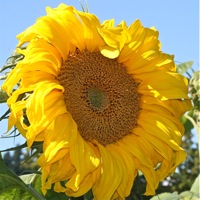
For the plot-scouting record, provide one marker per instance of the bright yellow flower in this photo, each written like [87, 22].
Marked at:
[104, 100]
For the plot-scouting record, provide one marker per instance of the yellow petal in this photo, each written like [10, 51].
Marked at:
[51, 31]
[40, 53]
[59, 137]
[74, 35]
[108, 182]
[177, 107]
[130, 170]
[80, 151]
[161, 127]
[108, 23]
[82, 188]
[92, 38]
[163, 90]
[109, 52]
[143, 41]
[115, 38]
[143, 155]
[40, 110]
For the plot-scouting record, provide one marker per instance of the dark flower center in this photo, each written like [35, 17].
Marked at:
[100, 95]
[97, 98]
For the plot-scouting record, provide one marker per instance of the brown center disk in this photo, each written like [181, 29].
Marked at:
[100, 95]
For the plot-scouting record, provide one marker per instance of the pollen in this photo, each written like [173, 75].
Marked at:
[100, 95]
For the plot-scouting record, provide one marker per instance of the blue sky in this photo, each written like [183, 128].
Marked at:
[176, 20]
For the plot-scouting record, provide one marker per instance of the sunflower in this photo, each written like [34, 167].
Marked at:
[105, 101]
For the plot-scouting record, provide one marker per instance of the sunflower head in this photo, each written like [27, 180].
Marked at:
[104, 100]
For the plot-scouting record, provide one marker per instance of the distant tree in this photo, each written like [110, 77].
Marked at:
[20, 161]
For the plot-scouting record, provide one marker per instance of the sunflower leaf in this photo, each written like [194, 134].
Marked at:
[15, 193]
[192, 194]
[195, 89]
[3, 96]
[187, 123]
[4, 76]
[183, 67]
[51, 194]
[35, 181]
[88, 195]
[5, 115]
[167, 196]
[187, 195]
[195, 186]
[12, 187]
[195, 80]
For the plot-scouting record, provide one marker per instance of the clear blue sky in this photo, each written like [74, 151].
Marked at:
[176, 20]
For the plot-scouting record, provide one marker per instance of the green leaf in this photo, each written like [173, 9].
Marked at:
[186, 122]
[28, 178]
[4, 76]
[12, 61]
[195, 186]
[26, 187]
[195, 80]
[12, 187]
[167, 196]
[194, 86]
[35, 181]
[3, 96]
[56, 196]
[183, 67]
[16, 193]
[186, 195]
[193, 194]
[88, 195]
